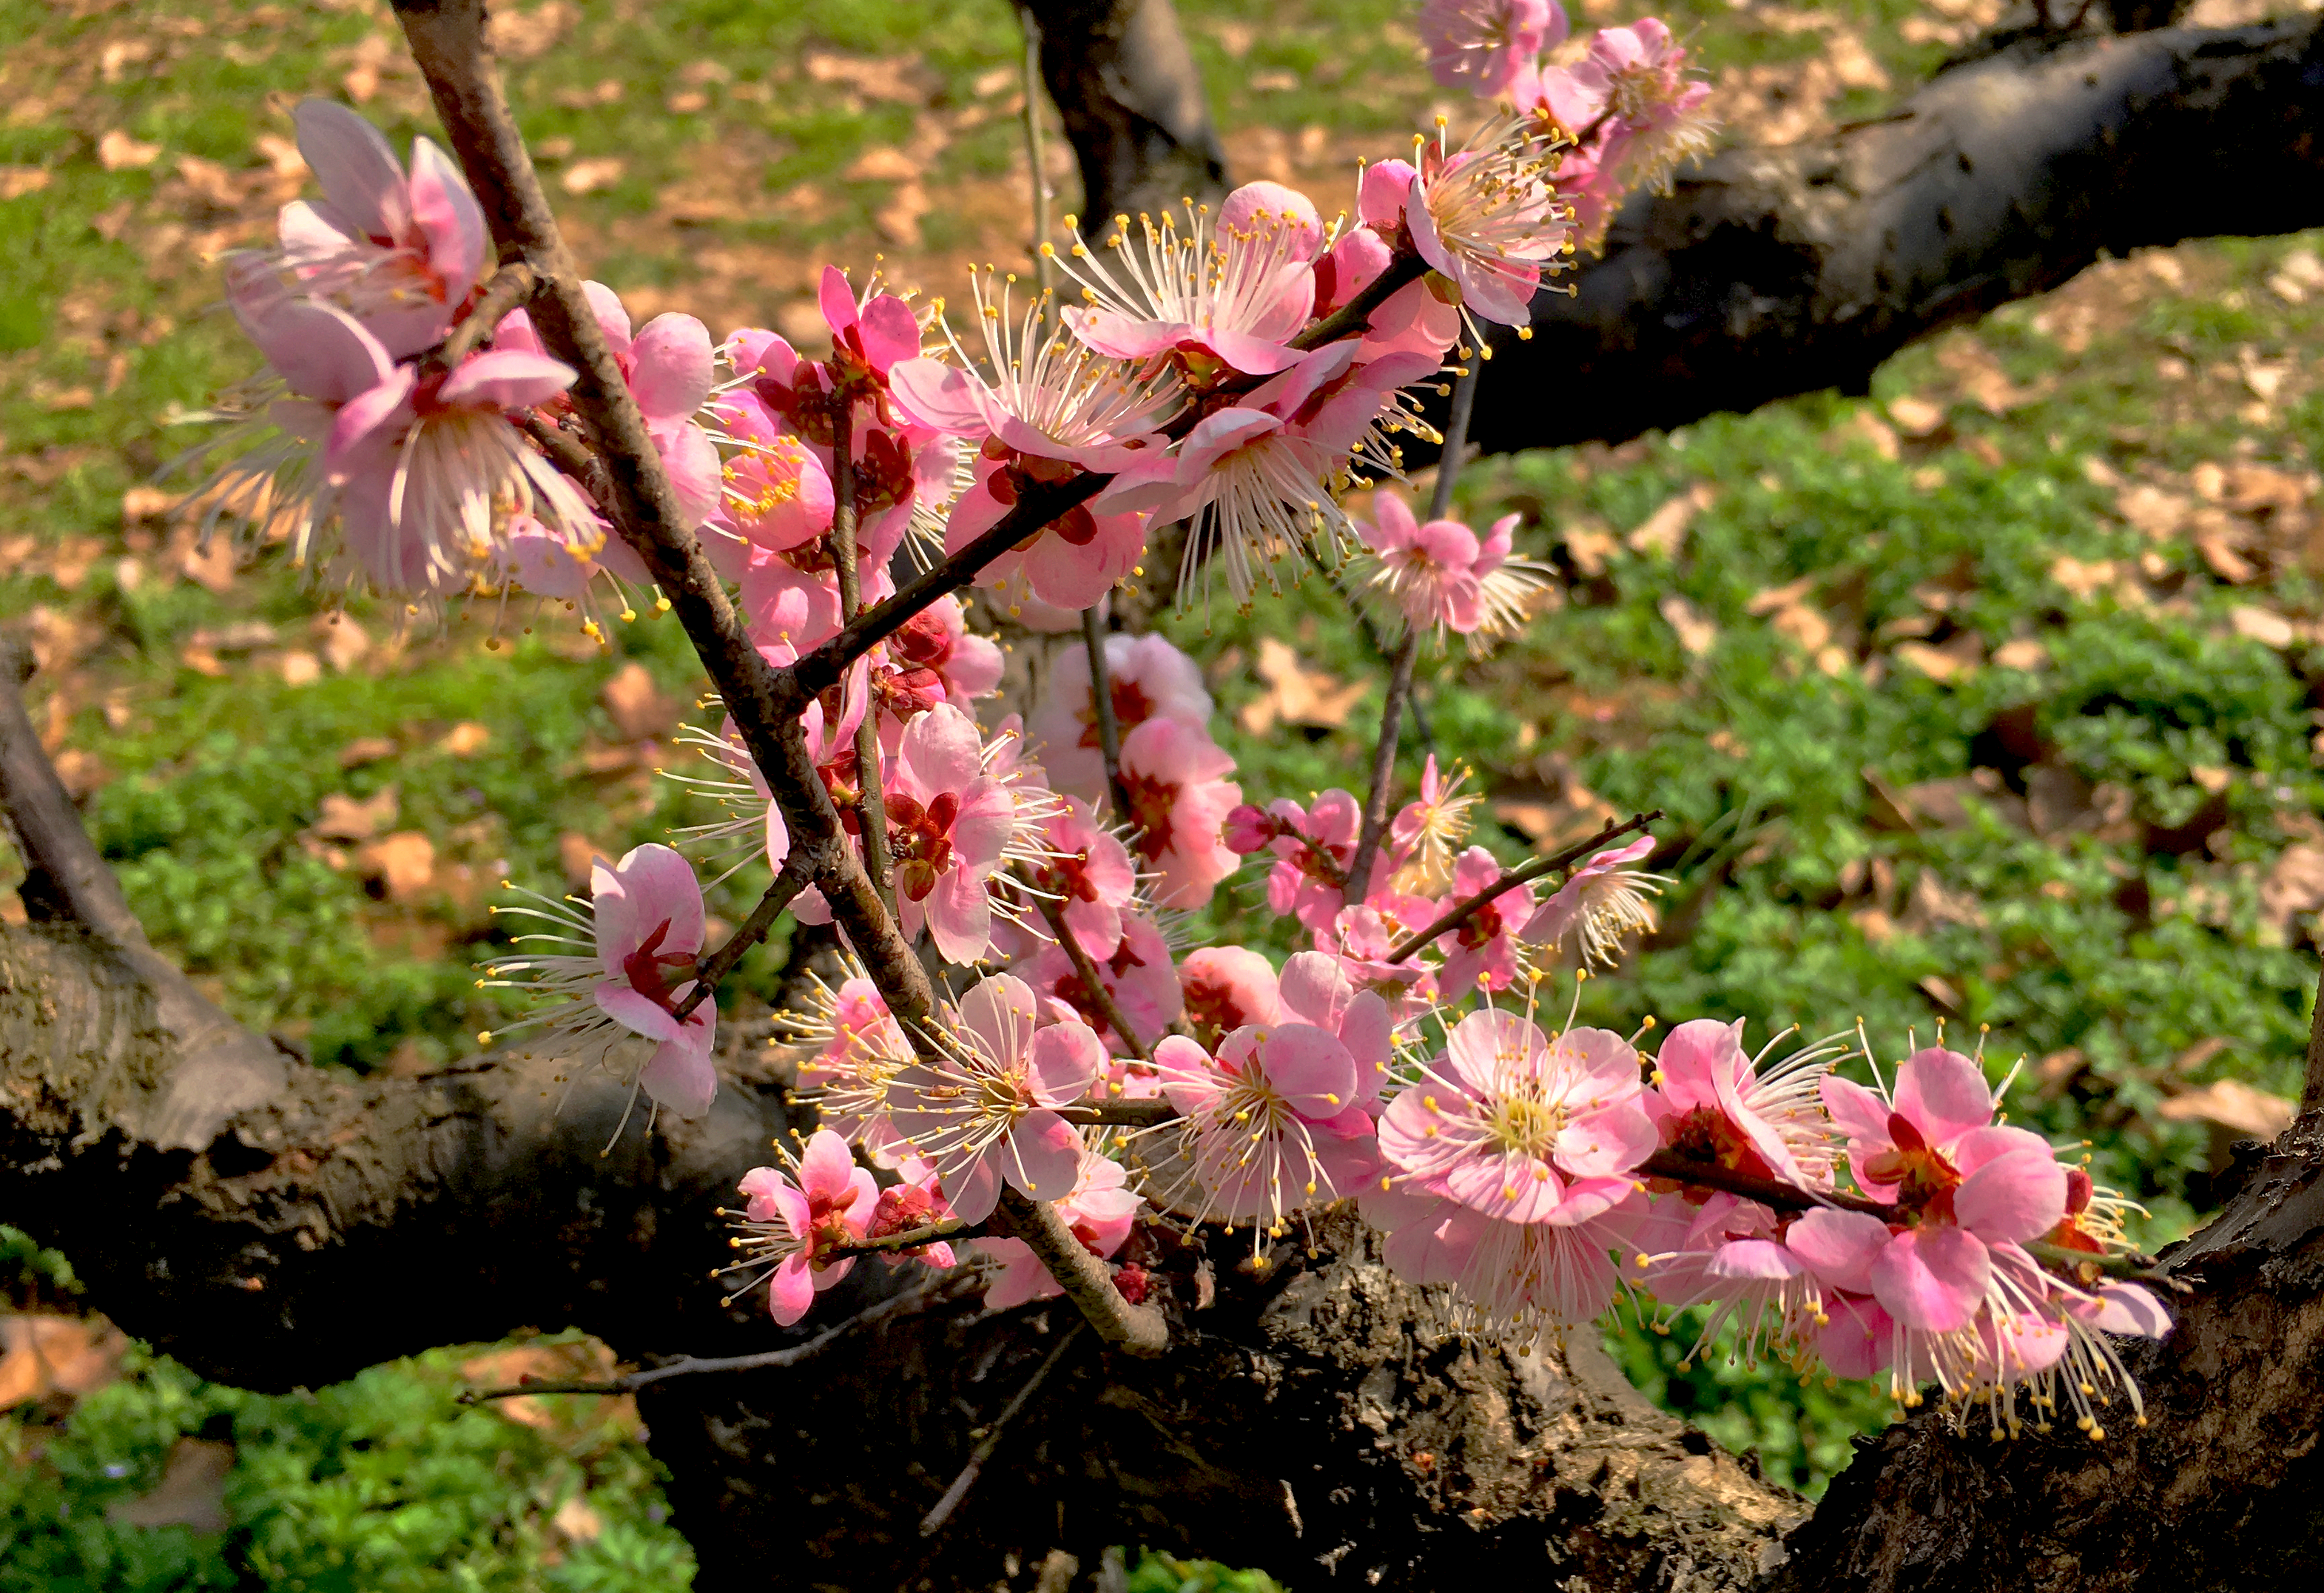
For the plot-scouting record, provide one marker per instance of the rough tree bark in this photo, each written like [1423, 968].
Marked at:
[274, 1224]
[1316, 1418]
[1131, 102]
[1769, 272]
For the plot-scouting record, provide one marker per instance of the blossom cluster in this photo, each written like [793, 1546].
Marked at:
[1243, 369]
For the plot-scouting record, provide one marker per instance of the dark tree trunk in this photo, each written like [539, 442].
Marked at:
[1132, 103]
[1770, 273]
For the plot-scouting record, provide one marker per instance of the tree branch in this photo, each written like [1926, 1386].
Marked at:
[1767, 272]
[1131, 102]
[1460, 912]
[789, 882]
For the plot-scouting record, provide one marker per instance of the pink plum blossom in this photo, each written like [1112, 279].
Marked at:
[1600, 902]
[949, 822]
[642, 936]
[1273, 1122]
[399, 253]
[985, 1110]
[1428, 571]
[1312, 848]
[1482, 953]
[1137, 974]
[934, 657]
[1088, 871]
[1147, 679]
[789, 1226]
[1710, 1103]
[1521, 1127]
[1483, 45]
[1227, 988]
[1425, 831]
[1172, 774]
[1487, 215]
[1211, 299]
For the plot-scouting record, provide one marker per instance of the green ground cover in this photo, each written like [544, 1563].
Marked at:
[1988, 699]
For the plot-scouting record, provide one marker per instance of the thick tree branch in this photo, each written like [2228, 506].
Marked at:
[1131, 102]
[1773, 271]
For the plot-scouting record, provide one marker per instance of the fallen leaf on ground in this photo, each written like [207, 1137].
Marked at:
[42, 1354]
[466, 739]
[191, 1492]
[883, 165]
[525, 35]
[1696, 633]
[1915, 417]
[899, 78]
[1956, 659]
[344, 641]
[82, 773]
[577, 1521]
[300, 667]
[587, 177]
[2294, 886]
[1295, 693]
[17, 181]
[2264, 626]
[404, 863]
[1664, 531]
[2024, 653]
[364, 749]
[345, 819]
[637, 705]
[2233, 1105]
[117, 152]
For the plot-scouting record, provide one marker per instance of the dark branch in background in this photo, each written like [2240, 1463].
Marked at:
[1053, 913]
[64, 879]
[1131, 102]
[2311, 1088]
[1109, 733]
[1460, 912]
[1773, 272]
[688, 1366]
[989, 1437]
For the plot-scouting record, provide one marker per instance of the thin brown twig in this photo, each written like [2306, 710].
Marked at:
[1109, 729]
[789, 883]
[933, 1522]
[1086, 967]
[1459, 913]
[65, 879]
[870, 807]
[1406, 656]
[1768, 1192]
[568, 452]
[511, 288]
[911, 1238]
[688, 1366]
[2311, 1088]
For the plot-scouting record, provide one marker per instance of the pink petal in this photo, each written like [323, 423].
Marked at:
[1944, 1094]
[940, 396]
[1043, 1157]
[612, 318]
[680, 1078]
[1933, 1279]
[352, 160]
[889, 332]
[1753, 1259]
[366, 419]
[671, 372]
[2013, 1198]
[1064, 1062]
[639, 1014]
[506, 379]
[1695, 1057]
[1840, 1246]
[791, 1291]
[942, 751]
[1310, 1069]
[826, 1169]
[1315, 989]
[1189, 1080]
[447, 213]
[1000, 1011]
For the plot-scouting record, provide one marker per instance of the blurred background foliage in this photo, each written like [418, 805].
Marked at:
[1989, 699]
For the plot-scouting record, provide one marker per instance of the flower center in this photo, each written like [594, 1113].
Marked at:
[1520, 1127]
[920, 838]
